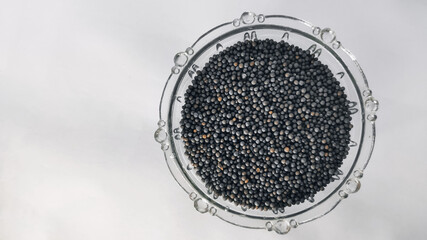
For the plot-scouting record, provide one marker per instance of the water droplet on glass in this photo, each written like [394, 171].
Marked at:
[367, 93]
[165, 147]
[219, 47]
[244, 208]
[180, 59]
[161, 123]
[358, 173]
[160, 135]
[281, 227]
[316, 30]
[193, 196]
[248, 17]
[201, 206]
[261, 18]
[227, 209]
[177, 136]
[189, 166]
[212, 211]
[371, 104]
[210, 191]
[189, 51]
[342, 194]
[269, 226]
[175, 70]
[281, 210]
[327, 35]
[352, 143]
[310, 199]
[352, 185]
[336, 44]
[293, 223]
[275, 211]
[236, 22]
[215, 196]
[372, 117]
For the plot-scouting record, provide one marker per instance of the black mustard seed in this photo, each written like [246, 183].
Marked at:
[265, 124]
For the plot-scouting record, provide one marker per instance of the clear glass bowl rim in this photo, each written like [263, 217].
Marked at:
[365, 94]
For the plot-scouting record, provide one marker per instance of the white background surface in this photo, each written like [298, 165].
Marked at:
[80, 83]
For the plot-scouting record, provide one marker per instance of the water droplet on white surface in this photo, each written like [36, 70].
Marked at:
[180, 59]
[160, 135]
[371, 104]
[189, 51]
[327, 35]
[352, 185]
[269, 226]
[336, 44]
[175, 70]
[212, 211]
[236, 22]
[372, 117]
[358, 173]
[342, 194]
[281, 227]
[293, 223]
[193, 196]
[165, 147]
[161, 123]
[248, 17]
[316, 30]
[201, 206]
[367, 93]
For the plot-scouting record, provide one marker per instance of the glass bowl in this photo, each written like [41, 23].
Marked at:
[324, 44]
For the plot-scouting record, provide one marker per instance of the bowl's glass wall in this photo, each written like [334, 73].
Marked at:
[278, 33]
